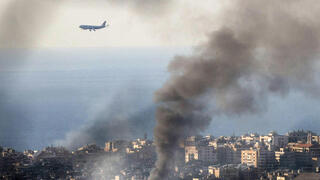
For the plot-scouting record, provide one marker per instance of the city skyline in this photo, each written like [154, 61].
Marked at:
[249, 156]
[172, 69]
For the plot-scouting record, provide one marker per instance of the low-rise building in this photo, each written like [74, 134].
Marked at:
[314, 149]
[115, 146]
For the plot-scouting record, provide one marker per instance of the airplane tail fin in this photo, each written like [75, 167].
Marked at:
[104, 23]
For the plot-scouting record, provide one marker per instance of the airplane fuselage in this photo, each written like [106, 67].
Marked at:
[91, 27]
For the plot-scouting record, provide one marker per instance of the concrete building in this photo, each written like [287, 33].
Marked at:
[298, 136]
[119, 177]
[258, 158]
[250, 139]
[314, 149]
[115, 146]
[316, 139]
[203, 153]
[274, 140]
[249, 157]
[266, 159]
[285, 158]
[193, 140]
[303, 160]
[279, 141]
[228, 154]
[228, 171]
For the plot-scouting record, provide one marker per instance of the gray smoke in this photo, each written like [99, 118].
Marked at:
[146, 7]
[264, 48]
[121, 118]
[110, 126]
[23, 22]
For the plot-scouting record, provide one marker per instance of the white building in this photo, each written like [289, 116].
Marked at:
[200, 152]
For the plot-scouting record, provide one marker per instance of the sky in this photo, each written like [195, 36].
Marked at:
[57, 79]
[55, 23]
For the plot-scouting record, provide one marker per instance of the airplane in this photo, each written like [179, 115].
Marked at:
[93, 28]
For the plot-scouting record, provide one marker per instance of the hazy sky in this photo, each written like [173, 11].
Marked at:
[55, 23]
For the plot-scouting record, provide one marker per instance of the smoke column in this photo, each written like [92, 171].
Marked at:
[264, 48]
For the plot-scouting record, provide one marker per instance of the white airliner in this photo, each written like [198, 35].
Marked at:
[93, 28]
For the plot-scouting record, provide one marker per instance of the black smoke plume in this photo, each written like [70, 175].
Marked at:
[263, 48]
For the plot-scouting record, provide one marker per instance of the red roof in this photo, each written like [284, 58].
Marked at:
[306, 145]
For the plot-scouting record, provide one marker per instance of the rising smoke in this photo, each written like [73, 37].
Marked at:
[109, 126]
[263, 48]
[121, 117]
